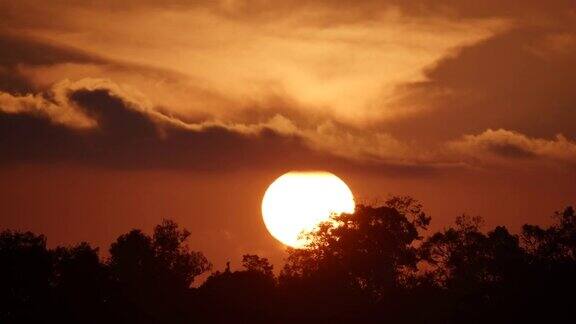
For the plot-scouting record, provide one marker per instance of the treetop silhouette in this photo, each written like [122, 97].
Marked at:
[378, 264]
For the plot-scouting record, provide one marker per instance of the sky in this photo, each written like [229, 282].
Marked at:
[117, 114]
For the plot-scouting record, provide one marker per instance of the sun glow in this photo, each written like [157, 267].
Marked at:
[299, 201]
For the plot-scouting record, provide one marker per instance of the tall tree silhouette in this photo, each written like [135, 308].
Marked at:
[82, 285]
[557, 242]
[357, 260]
[25, 277]
[475, 269]
[552, 267]
[154, 273]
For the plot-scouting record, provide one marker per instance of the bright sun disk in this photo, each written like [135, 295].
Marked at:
[297, 202]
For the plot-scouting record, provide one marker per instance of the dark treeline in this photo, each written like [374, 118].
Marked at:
[378, 265]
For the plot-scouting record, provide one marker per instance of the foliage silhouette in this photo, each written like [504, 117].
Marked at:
[153, 274]
[245, 296]
[376, 265]
[82, 285]
[25, 277]
[358, 263]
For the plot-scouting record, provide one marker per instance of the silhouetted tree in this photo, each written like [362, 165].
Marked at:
[241, 296]
[180, 264]
[551, 278]
[82, 285]
[357, 259]
[557, 242]
[154, 273]
[254, 263]
[25, 277]
[475, 268]
[371, 266]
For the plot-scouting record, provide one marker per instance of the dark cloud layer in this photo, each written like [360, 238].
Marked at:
[510, 146]
[522, 79]
[129, 138]
[17, 51]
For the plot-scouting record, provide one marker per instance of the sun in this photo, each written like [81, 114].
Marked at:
[299, 201]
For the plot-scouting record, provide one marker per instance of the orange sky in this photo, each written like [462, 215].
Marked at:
[115, 115]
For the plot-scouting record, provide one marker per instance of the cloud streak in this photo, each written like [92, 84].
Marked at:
[99, 121]
[504, 145]
[99, 108]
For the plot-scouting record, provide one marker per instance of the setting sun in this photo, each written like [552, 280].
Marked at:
[297, 202]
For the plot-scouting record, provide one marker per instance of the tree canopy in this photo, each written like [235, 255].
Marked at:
[378, 264]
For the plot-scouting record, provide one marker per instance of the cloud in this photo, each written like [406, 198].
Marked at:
[59, 104]
[99, 121]
[375, 83]
[347, 10]
[509, 146]
[58, 112]
[520, 79]
[18, 51]
[319, 55]
[119, 119]
[124, 132]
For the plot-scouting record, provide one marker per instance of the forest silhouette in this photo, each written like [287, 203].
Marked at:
[379, 264]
